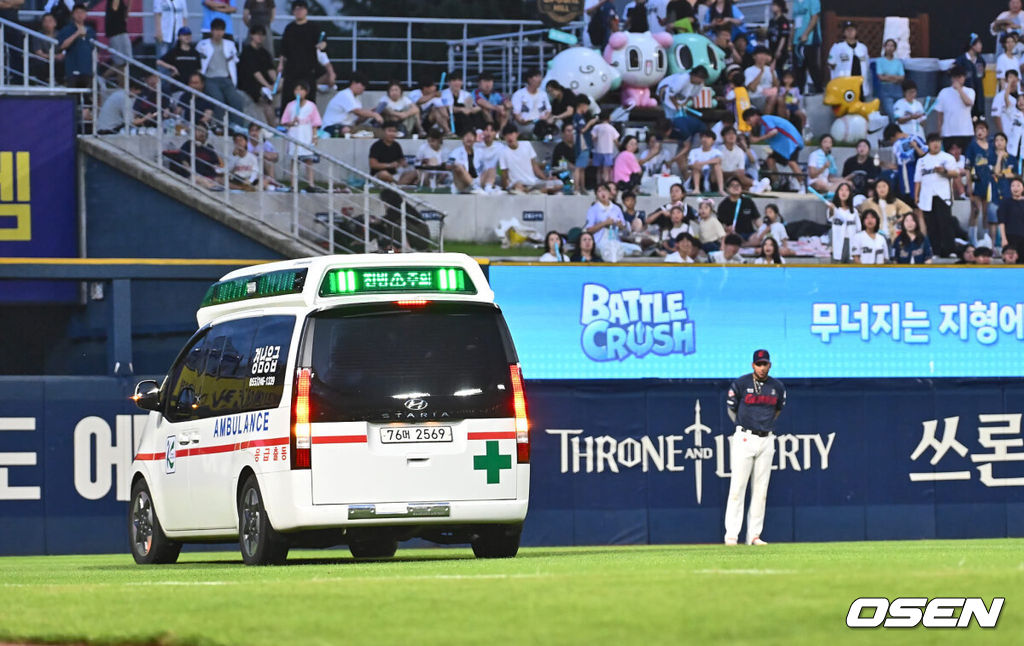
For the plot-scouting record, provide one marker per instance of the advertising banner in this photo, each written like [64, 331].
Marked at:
[703, 322]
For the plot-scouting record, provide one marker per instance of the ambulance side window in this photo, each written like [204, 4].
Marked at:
[224, 385]
[268, 367]
[185, 379]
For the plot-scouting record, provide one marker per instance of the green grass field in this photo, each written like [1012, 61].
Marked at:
[694, 594]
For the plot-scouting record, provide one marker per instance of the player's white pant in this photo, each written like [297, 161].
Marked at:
[748, 454]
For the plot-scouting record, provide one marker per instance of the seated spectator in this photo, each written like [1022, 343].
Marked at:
[711, 233]
[790, 105]
[586, 249]
[634, 218]
[387, 161]
[739, 52]
[429, 160]
[531, 111]
[495, 107]
[845, 223]
[208, 164]
[773, 227]
[660, 217]
[219, 65]
[488, 154]
[116, 111]
[397, 107]
[706, 164]
[458, 108]
[626, 172]
[860, 170]
[243, 166]
[683, 249]
[563, 101]
[303, 120]
[868, 246]
[464, 164]
[1010, 20]
[564, 154]
[203, 108]
[762, 82]
[522, 172]
[769, 254]
[678, 224]
[259, 140]
[911, 246]
[655, 157]
[428, 99]
[738, 214]
[182, 60]
[891, 75]
[908, 113]
[345, 112]
[734, 158]
[604, 216]
[40, 65]
[966, 255]
[983, 256]
[145, 109]
[257, 72]
[962, 176]
[1010, 255]
[554, 248]
[730, 253]
[605, 137]
[821, 167]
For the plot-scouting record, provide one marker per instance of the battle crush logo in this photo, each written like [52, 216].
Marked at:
[631, 322]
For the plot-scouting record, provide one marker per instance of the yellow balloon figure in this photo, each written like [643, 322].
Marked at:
[843, 94]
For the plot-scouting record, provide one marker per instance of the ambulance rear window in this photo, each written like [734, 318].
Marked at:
[390, 362]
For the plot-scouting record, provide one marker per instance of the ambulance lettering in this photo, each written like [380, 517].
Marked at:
[241, 424]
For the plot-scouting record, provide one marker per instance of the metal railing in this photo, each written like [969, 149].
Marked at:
[303, 192]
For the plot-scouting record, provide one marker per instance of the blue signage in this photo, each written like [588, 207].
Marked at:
[631, 322]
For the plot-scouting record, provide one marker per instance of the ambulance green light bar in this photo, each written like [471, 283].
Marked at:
[440, 280]
[274, 283]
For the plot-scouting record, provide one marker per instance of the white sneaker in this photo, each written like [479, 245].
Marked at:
[756, 541]
[761, 186]
[476, 190]
[730, 541]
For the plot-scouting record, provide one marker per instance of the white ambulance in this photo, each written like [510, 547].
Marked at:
[360, 400]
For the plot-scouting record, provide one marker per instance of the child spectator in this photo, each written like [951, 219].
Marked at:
[845, 222]
[627, 172]
[387, 161]
[762, 82]
[706, 164]
[772, 227]
[605, 136]
[908, 112]
[660, 217]
[683, 249]
[303, 119]
[791, 101]
[769, 253]
[868, 246]
[243, 167]
[494, 106]
[911, 246]
[586, 249]
[554, 248]
[678, 224]
[983, 256]
[821, 167]
[710, 232]
[583, 124]
[1010, 255]
[397, 107]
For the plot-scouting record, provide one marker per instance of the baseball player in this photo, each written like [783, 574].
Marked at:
[755, 401]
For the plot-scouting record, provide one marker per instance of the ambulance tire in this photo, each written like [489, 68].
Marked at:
[148, 542]
[497, 542]
[260, 543]
[375, 549]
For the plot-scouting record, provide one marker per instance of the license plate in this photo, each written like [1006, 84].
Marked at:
[415, 434]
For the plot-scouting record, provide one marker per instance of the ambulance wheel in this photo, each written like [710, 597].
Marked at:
[149, 543]
[374, 549]
[261, 544]
[497, 542]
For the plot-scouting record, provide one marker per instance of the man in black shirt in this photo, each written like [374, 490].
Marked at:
[753, 403]
[256, 72]
[565, 153]
[860, 170]
[738, 214]
[387, 158]
[1011, 215]
[299, 44]
[182, 60]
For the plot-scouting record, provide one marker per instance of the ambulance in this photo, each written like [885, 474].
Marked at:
[357, 400]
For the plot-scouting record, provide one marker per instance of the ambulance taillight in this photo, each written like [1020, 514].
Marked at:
[522, 422]
[300, 421]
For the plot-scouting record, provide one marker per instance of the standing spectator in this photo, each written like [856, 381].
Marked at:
[428, 100]
[780, 35]
[219, 59]
[911, 246]
[890, 209]
[981, 157]
[115, 23]
[1010, 20]
[41, 50]
[397, 107]
[906, 150]
[821, 167]
[598, 16]
[634, 15]
[605, 137]
[627, 172]
[973, 63]
[182, 60]
[681, 17]
[722, 13]
[345, 112]
[657, 16]
[706, 164]
[495, 107]
[891, 75]
[782, 137]
[586, 249]
[1008, 59]
[953, 106]
[531, 109]
[807, 29]
[261, 13]
[169, 16]
[860, 169]
[297, 62]
[604, 216]
[737, 213]
[1004, 169]
[845, 222]
[932, 194]
[59, 9]
[523, 173]
[868, 246]
[76, 42]
[464, 164]
[849, 57]
[1013, 124]
[256, 72]
[908, 112]
[1011, 215]
[458, 107]
[563, 101]
[762, 82]
[303, 119]
[1010, 86]
[582, 124]
[387, 158]
[223, 9]
[791, 101]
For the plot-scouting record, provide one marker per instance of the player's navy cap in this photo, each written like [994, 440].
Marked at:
[184, 31]
[761, 355]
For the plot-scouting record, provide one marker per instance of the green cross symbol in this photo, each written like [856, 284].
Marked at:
[493, 462]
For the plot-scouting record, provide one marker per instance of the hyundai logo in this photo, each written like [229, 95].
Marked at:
[415, 404]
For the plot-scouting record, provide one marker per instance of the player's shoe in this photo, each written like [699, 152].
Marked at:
[730, 541]
[756, 541]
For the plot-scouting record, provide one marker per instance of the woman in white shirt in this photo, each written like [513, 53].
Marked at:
[769, 254]
[845, 222]
[868, 247]
[772, 227]
[553, 248]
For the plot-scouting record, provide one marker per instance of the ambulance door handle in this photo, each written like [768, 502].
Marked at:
[194, 437]
[184, 439]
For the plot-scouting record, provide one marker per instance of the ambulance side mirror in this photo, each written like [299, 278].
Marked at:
[147, 395]
[187, 402]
